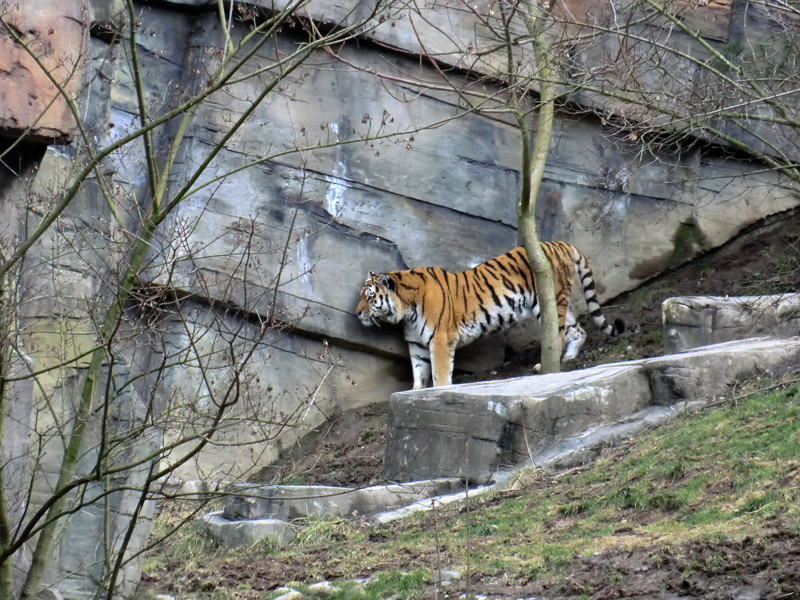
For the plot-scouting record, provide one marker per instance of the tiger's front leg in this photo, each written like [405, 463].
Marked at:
[442, 354]
[420, 364]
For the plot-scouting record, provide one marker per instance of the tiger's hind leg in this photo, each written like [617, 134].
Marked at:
[420, 364]
[574, 337]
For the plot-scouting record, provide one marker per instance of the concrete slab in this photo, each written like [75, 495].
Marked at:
[470, 431]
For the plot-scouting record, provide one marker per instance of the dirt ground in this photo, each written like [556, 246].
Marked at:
[748, 569]
[765, 568]
[349, 452]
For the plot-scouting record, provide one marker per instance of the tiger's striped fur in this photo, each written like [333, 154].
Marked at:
[441, 311]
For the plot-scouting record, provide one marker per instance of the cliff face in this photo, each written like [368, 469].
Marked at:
[319, 220]
[290, 240]
[30, 104]
[443, 196]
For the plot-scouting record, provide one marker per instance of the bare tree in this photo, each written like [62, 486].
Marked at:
[163, 355]
[666, 75]
[533, 161]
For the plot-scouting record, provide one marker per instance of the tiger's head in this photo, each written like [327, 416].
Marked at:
[379, 302]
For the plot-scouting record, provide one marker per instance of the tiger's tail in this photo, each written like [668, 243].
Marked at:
[587, 281]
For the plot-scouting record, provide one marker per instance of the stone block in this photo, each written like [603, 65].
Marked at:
[289, 502]
[710, 371]
[471, 431]
[692, 321]
[232, 534]
[55, 33]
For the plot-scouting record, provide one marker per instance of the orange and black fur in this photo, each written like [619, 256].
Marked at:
[441, 311]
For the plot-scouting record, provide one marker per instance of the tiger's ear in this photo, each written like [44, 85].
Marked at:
[371, 275]
[386, 281]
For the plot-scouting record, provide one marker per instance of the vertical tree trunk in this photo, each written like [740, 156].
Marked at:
[533, 162]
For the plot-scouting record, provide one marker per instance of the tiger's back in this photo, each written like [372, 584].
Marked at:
[441, 310]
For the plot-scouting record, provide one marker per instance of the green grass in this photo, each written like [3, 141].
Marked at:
[390, 584]
[718, 474]
[191, 543]
[396, 584]
[326, 530]
[743, 447]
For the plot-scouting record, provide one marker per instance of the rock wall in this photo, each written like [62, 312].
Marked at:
[443, 196]
[288, 242]
[320, 220]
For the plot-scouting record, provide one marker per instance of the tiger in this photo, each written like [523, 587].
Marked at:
[442, 311]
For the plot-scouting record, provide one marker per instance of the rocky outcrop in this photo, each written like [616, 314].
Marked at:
[471, 431]
[316, 222]
[31, 105]
[320, 220]
[693, 321]
[474, 436]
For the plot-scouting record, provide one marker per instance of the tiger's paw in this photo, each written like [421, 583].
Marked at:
[575, 337]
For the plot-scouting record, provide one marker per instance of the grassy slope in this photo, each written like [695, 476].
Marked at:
[704, 507]
[707, 503]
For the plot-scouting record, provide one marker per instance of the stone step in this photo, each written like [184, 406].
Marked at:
[290, 502]
[254, 511]
[470, 431]
[692, 321]
[234, 533]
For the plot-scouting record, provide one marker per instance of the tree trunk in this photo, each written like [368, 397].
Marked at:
[533, 162]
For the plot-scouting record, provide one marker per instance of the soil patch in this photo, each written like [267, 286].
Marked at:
[766, 567]
[346, 452]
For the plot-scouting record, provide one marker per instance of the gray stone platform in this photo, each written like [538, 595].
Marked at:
[441, 437]
[692, 321]
[470, 431]
[290, 502]
[254, 511]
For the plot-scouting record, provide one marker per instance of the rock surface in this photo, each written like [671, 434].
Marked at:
[317, 221]
[289, 502]
[30, 104]
[472, 430]
[482, 432]
[426, 197]
[692, 321]
[253, 512]
[17, 422]
[246, 532]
